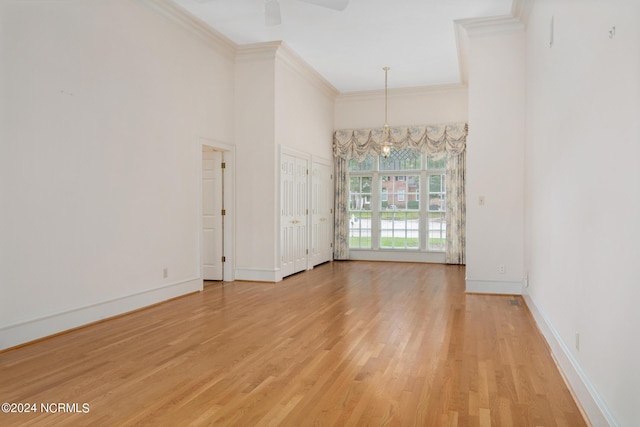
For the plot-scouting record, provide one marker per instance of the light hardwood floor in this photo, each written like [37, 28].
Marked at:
[347, 343]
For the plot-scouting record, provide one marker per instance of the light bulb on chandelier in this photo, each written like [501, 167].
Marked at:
[387, 143]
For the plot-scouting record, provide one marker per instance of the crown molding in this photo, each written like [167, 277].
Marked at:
[292, 60]
[280, 51]
[521, 9]
[403, 92]
[489, 26]
[465, 28]
[257, 51]
[195, 26]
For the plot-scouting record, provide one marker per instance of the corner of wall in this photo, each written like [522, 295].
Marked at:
[590, 402]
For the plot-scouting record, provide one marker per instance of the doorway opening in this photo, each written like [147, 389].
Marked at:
[217, 225]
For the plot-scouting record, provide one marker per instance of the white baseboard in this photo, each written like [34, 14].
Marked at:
[30, 330]
[475, 286]
[588, 398]
[257, 274]
[398, 256]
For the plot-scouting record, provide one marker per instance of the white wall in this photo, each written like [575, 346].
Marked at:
[304, 107]
[582, 197]
[256, 172]
[103, 103]
[495, 150]
[413, 106]
[280, 101]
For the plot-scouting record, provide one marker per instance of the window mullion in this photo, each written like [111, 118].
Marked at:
[424, 215]
[375, 211]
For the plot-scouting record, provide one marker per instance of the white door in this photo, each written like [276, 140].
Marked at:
[301, 212]
[212, 218]
[294, 213]
[321, 213]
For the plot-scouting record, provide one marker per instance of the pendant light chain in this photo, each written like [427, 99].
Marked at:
[386, 69]
[386, 133]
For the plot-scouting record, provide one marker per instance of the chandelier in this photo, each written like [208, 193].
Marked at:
[387, 143]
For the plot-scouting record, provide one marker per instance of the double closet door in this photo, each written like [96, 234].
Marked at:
[294, 213]
[306, 220]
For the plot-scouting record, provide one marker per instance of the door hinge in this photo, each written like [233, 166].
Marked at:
[331, 210]
[307, 251]
[331, 244]
[223, 212]
[223, 165]
[224, 259]
[307, 212]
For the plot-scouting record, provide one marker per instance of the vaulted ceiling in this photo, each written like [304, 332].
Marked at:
[349, 48]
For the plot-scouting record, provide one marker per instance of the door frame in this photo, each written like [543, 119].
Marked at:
[228, 237]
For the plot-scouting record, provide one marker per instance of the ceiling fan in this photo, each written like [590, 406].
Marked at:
[273, 17]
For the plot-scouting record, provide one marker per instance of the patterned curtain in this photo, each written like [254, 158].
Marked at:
[436, 140]
[456, 208]
[341, 217]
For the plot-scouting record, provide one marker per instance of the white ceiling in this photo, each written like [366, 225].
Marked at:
[416, 38]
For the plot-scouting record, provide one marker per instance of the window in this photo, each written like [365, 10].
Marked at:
[360, 211]
[385, 207]
[437, 235]
[399, 216]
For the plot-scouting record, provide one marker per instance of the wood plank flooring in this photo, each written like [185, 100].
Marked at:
[347, 343]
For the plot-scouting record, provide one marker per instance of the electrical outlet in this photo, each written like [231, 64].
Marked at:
[165, 272]
[526, 281]
[578, 341]
[501, 269]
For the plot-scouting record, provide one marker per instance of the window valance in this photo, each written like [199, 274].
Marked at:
[435, 140]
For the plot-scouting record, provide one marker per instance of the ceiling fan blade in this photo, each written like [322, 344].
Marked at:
[331, 4]
[272, 15]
